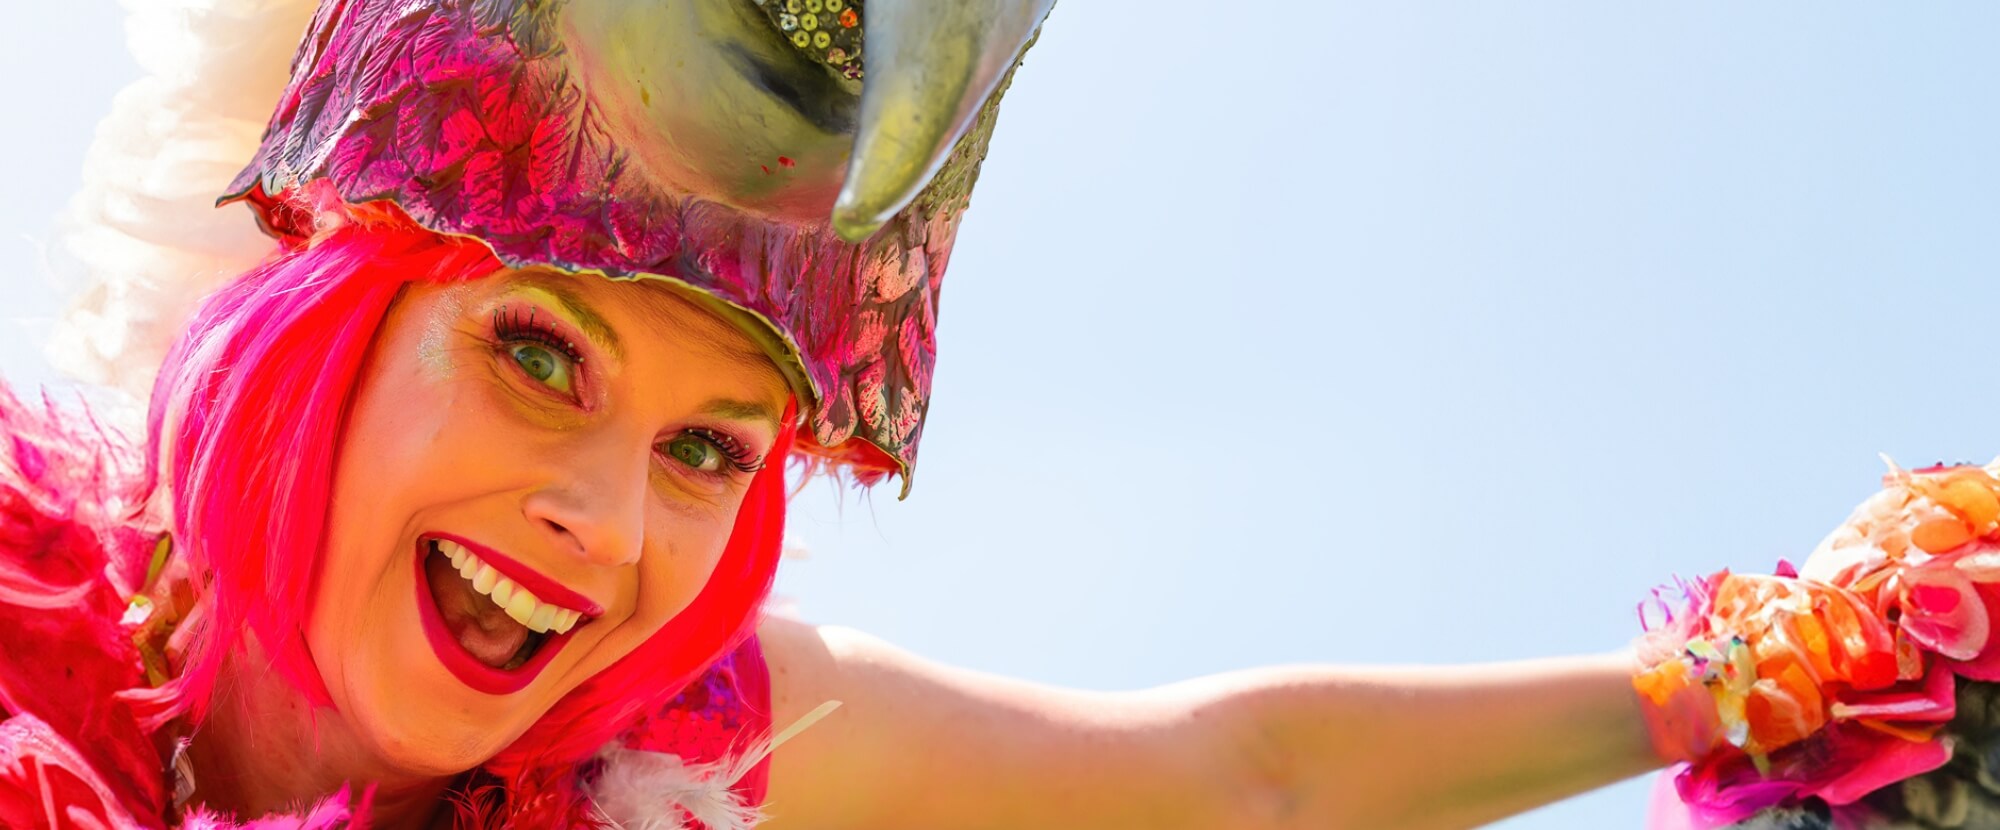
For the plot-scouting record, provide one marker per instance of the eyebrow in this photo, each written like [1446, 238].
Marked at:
[741, 411]
[587, 318]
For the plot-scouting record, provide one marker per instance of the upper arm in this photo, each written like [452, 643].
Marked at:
[920, 745]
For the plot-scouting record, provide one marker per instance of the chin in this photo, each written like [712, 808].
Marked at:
[432, 754]
[419, 722]
[398, 702]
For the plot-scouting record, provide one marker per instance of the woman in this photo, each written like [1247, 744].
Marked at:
[450, 429]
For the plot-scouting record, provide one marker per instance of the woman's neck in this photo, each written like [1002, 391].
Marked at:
[264, 748]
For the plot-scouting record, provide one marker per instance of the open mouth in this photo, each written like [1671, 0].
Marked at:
[487, 628]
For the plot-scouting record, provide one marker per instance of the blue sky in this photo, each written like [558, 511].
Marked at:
[1406, 332]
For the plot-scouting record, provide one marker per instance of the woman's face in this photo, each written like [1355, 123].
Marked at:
[539, 472]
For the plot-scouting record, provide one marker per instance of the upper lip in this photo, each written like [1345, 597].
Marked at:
[544, 587]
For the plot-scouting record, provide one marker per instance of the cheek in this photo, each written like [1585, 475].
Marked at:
[384, 473]
[673, 572]
[401, 414]
[408, 445]
[424, 428]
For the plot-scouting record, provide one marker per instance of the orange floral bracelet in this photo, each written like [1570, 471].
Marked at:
[1833, 680]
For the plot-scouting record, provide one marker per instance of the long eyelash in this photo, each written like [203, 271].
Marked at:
[517, 326]
[733, 451]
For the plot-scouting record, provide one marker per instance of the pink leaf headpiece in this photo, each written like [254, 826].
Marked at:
[717, 145]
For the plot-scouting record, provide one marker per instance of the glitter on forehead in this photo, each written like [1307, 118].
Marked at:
[433, 347]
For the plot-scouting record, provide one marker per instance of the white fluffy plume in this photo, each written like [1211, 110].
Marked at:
[142, 242]
[641, 790]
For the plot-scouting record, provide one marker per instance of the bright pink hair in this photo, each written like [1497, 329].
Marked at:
[258, 391]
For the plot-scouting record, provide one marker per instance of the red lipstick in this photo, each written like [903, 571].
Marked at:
[461, 663]
[545, 589]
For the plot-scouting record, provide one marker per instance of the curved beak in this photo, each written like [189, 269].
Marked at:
[931, 66]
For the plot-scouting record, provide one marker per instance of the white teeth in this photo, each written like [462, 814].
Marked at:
[483, 580]
[522, 607]
[519, 603]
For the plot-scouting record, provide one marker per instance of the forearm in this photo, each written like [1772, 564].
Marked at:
[919, 745]
[1324, 747]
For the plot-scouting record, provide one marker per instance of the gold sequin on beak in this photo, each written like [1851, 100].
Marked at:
[829, 31]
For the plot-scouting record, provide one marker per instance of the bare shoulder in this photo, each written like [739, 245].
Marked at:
[811, 664]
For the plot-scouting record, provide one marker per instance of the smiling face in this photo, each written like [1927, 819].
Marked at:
[539, 471]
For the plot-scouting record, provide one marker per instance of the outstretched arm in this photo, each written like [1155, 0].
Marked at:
[920, 745]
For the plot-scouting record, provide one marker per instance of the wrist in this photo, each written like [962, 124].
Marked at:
[1680, 712]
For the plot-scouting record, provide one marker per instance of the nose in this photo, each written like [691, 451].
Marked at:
[592, 501]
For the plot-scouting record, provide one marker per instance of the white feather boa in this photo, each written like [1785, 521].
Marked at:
[142, 241]
[641, 790]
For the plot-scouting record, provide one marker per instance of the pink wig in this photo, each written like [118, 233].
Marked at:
[259, 387]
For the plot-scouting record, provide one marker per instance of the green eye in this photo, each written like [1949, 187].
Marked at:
[696, 453]
[542, 364]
